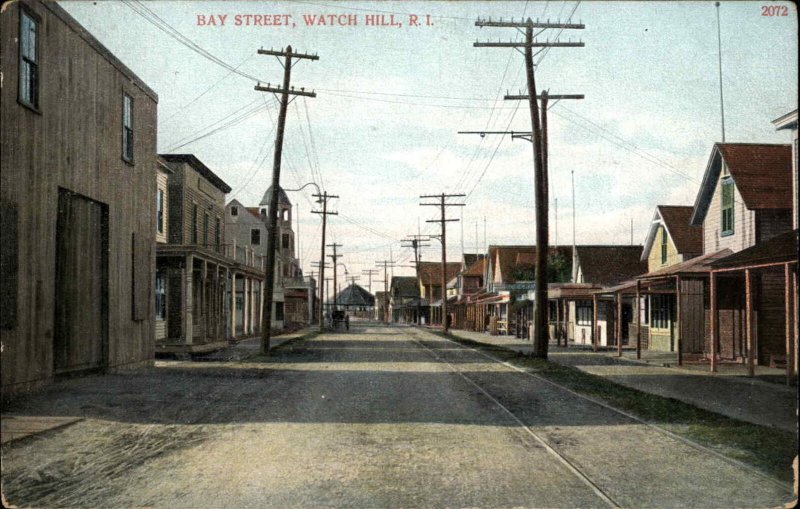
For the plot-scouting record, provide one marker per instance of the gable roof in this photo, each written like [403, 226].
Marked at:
[476, 269]
[512, 258]
[283, 198]
[762, 174]
[430, 273]
[607, 265]
[686, 238]
[198, 166]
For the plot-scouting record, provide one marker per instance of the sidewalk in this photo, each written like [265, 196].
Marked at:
[726, 392]
[252, 346]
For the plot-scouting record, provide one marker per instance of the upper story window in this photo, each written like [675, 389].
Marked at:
[217, 232]
[160, 211]
[206, 223]
[127, 127]
[255, 237]
[234, 211]
[663, 245]
[727, 206]
[286, 241]
[194, 224]
[29, 60]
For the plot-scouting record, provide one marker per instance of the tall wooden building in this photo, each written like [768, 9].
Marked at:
[77, 192]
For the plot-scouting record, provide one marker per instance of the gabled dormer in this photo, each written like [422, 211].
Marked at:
[745, 197]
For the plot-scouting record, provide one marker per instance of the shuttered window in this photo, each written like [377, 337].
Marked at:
[160, 211]
[663, 245]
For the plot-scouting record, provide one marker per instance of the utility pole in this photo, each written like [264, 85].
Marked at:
[417, 242]
[370, 273]
[334, 257]
[386, 264]
[272, 227]
[323, 198]
[443, 204]
[538, 138]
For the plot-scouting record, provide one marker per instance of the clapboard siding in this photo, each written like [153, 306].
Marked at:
[744, 224]
[73, 143]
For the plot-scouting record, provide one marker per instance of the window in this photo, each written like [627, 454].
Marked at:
[205, 228]
[217, 232]
[194, 224]
[127, 127]
[727, 206]
[234, 211]
[161, 296]
[255, 237]
[663, 245]
[28, 60]
[584, 312]
[662, 311]
[160, 210]
[279, 311]
[285, 241]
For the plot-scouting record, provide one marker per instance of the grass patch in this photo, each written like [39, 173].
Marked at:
[768, 449]
[284, 348]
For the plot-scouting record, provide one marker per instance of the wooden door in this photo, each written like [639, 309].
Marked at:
[81, 326]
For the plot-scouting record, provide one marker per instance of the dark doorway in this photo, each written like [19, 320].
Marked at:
[81, 314]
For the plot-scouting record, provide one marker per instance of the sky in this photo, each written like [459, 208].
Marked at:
[383, 128]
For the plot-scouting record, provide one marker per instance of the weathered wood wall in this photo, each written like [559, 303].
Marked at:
[73, 142]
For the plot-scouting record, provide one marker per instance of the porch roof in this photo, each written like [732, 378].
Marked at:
[777, 250]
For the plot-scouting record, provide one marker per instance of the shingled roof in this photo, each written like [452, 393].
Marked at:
[513, 258]
[687, 239]
[282, 197]
[762, 174]
[778, 249]
[430, 273]
[476, 269]
[354, 295]
[608, 265]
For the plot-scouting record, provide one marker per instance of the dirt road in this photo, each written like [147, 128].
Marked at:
[377, 417]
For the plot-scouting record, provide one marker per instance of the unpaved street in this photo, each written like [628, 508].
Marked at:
[377, 417]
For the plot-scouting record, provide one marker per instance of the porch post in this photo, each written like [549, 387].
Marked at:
[233, 304]
[789, 311]
[638, 319]
[595, 338]
[679, 338]
[565, 303]
[188, 301]
[714, 322]
[748, 289]
[619, 324]
[558, 323]
[204, 297]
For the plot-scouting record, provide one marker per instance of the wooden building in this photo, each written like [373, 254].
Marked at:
[745, 199]
[77, 187]
[404, 302]
[577, 312]
[429, 276]
[197, 267]
[671, 240]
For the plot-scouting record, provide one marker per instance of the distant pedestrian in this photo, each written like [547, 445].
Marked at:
[347, 322]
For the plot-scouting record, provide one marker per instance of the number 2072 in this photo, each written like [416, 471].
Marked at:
[774, 10]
